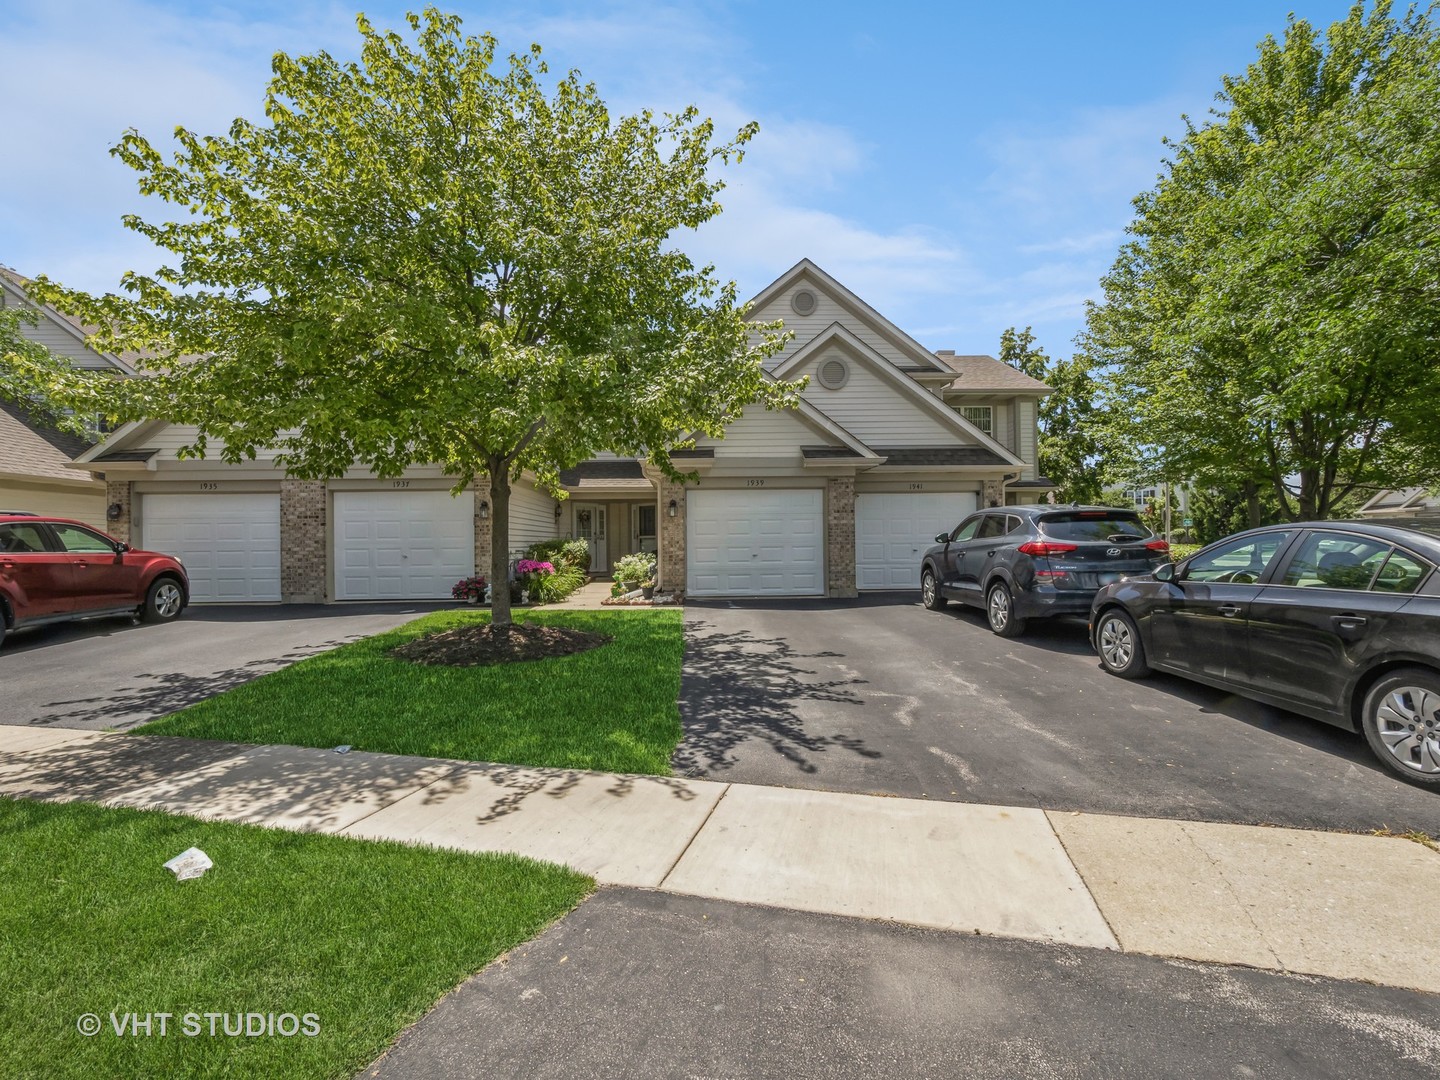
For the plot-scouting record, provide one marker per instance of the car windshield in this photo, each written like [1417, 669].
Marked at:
[1111, 527]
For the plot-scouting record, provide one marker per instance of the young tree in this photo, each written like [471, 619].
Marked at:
[1274, 322]
[425, 256]
[1067, 451]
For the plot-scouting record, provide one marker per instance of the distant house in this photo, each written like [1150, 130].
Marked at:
[1400, 505]
[34, 456]
[890, 445]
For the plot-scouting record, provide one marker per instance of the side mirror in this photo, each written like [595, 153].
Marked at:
[942, 538]
[121, 547]
[1165, 572]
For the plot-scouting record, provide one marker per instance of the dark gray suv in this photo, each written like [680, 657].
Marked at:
[1028, 562]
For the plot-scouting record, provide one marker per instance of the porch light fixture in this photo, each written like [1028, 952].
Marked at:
[484, 509]
[558, 511]
[114, 512]
[672, 508]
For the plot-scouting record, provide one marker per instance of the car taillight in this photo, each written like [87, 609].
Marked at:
[1157, 545]
[1044, 547]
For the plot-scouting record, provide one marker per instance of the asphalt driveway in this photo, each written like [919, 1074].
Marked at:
[882, 696]
[116, 673]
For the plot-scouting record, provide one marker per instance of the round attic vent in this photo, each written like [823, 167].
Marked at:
[803, 302]
[834, 373]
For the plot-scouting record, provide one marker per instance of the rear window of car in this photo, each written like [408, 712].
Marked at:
[1095, 525]
[21, 539]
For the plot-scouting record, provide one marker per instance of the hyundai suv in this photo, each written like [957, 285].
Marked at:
[53, 569]
[1028, 562]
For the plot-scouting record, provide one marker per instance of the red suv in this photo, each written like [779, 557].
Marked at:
[52, 569]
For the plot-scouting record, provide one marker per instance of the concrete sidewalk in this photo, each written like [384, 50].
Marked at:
[1281, 899]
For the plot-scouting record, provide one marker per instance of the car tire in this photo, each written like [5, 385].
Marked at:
[1401, 721]
[1117, 640]
[930, 591]
[1000, 611]
[164, 600]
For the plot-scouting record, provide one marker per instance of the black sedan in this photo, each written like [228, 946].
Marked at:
[1337, 621]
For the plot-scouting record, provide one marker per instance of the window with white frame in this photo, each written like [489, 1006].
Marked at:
[979, 415]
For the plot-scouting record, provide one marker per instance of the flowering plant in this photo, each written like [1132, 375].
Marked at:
[531, 566]
[468, 587]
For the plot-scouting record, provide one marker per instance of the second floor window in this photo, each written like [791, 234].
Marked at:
[979, 415]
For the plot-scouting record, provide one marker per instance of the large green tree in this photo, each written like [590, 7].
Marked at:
[435, 256]
[1274, 324]
[50, 389]
[1068, 450]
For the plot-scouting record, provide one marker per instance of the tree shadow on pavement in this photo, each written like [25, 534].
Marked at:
[737, 689]
[151, 695]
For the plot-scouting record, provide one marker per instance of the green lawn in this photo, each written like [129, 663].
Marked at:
[366, 936]
[613, 709]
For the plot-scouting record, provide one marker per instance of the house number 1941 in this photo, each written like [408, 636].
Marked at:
[917, 487]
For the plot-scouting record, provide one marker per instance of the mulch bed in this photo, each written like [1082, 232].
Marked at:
[477, 646]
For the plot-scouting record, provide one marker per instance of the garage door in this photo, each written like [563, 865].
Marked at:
[230, 544]
[893, 529]
[402, 545]
[754, 543]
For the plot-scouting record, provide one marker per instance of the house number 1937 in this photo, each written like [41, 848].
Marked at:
[400, 483]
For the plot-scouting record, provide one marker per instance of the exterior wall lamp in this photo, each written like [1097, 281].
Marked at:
[558, 511]
[114, 512]
[484, 509]
[672, 508]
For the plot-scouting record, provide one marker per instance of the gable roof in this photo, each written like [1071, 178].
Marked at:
[16, 283]
[31, 450]
[920, 357]
[903, 384]
[976, 372]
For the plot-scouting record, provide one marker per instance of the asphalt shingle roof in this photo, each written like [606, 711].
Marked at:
[981, 372]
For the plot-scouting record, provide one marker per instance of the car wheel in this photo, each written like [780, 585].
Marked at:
[1000, 610]
[930, 591]
[1117, 640]
[164, 600]
[1401, 719]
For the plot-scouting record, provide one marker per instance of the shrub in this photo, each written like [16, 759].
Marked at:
[1183, 551]
[637, 567]
[468, 587]
[554, 587]
[574, 553]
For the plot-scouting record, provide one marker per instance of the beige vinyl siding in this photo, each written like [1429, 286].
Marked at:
[59, 339]
[1025, 410]
[1002, 416]
[532, 516]
[170, 439]
[764, 433]
[827, 311]
[873, 409]
[86, 506]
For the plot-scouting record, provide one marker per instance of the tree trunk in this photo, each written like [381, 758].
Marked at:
[499, 542]
[1252, 503]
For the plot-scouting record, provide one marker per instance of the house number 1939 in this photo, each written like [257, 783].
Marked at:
[754, 483]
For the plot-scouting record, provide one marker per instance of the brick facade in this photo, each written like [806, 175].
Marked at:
[840, 537]
[672, 568]
[482, 533]
[118, 493]
[303, 562]
[992, 493]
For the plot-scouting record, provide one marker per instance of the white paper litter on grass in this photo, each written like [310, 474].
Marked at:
[190, 863]
[344, 749]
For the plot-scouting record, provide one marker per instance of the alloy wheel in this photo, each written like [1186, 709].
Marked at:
[999, 608]
[1117, 646]
[167, 600]
[1407, 720]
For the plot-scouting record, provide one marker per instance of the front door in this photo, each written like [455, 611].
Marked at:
[590, 527]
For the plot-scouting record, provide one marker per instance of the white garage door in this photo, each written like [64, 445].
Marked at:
[892, 531]
[402, 545]
[230, 544]
[754, 543]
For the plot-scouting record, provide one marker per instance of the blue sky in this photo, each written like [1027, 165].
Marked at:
[963, 166]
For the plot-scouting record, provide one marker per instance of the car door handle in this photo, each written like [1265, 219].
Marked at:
[1348, 622]
[1229, 610]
